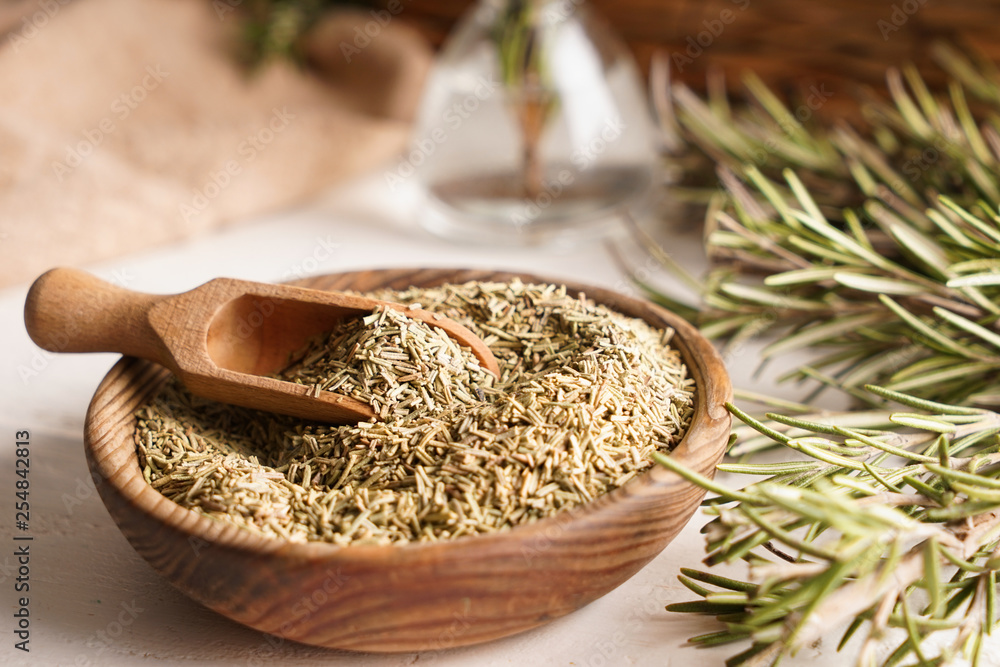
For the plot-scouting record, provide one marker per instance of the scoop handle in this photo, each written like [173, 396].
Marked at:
[72, 311]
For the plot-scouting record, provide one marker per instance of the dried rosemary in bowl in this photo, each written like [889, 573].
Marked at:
[401, 367]
[585, 396]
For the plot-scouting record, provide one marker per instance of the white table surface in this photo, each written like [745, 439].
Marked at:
[93, 601]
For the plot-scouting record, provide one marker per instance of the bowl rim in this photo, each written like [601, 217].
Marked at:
[118, 466]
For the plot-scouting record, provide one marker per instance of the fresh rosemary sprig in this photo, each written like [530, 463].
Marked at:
[878, 250]
[880, 247]
[866, 530]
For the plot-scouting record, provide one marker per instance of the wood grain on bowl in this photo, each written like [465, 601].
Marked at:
[419, 596]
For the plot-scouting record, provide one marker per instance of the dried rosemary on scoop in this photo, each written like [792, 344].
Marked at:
[584, 398]
[395, 364]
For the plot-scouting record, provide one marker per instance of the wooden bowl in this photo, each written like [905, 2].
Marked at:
[409, 597]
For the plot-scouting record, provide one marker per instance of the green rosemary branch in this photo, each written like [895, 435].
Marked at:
[879, 247]
[878, 250]
[868, 530]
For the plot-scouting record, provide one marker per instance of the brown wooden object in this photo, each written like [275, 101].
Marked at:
[220, 339]
[415, 596]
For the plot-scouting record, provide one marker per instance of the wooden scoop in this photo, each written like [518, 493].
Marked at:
[220, 339]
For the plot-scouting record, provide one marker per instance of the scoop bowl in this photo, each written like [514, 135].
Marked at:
[418, 596]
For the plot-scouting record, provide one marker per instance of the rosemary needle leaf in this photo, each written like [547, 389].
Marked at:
[975, 280]
[884, 481]
[716, 580]
[876, 285]
[818, 333]
[921, 404]
[968, 325]
[851, 629]
[758, 655]
[932, 579]
[855, 545]
[968, 478]
[767, 468]
[991, 601]
[717, 638]
[881, 267]
[692, 586]
[925, 423]
[705, 607]
[756, 425]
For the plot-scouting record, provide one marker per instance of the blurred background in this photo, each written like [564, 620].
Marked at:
[130, 123]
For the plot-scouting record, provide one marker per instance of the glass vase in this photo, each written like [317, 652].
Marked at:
[534, 127]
